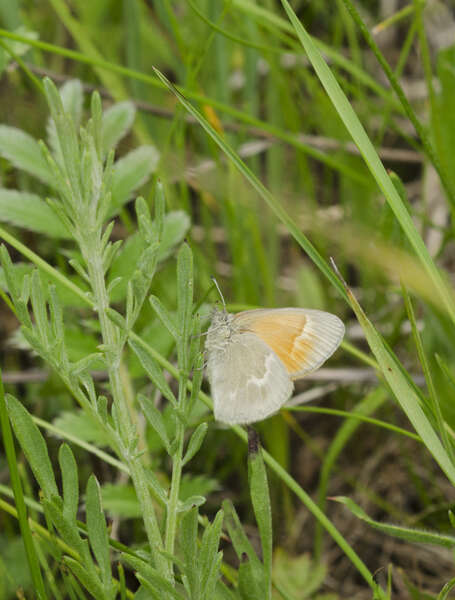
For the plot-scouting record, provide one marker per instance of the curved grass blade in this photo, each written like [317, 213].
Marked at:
[367, 150]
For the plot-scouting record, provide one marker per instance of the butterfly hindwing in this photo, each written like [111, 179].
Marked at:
[302, 338]
[250, 383]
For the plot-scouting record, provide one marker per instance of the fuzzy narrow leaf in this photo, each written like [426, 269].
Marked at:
[184, 289]
[153, 370]
[33, 446]
[67, 529]
[155, 420]
[70, 482]
[208, 554]
[260, 498]
[38, 299]
[251, 583]
[116, 122]
[72, 97]
[403, 390]
[418, 536]
[158, 491]
[151, 577]
[165, 316]
[190, 502]
[88, 580]
[239, 539]
[130, 172]
[24, 153]
[97, 530]
[195, 442]
[29, 211]
[188, 545]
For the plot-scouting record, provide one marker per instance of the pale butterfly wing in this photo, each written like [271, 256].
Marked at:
[302, 338]
[248, 380]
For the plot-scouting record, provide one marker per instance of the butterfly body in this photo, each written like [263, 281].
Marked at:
[254, 356]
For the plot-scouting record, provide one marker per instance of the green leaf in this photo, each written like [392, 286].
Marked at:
[70, 482]
[120, 501]
[153, 370]
[418, 536]
[72, 97]
[298, 576]
[30, 212]
[24, 153]
[175, 227]
[209, 558]
[68, 530]
[188, 546]
[33, 445]
[251, 580]
[117, 121]
[130, 172]
[97, 530]
[195, 442]
[184, 290]
[82, 426]
[152, 578]
[260, 497]
[155, 419]
[190, 502]
[165, 316]
[87, 579]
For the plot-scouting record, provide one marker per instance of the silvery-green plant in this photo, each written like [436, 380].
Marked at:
[177, 562]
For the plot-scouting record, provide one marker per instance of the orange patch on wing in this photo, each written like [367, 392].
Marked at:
[281, 331]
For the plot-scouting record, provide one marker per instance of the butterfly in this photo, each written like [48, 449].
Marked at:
[253, 358]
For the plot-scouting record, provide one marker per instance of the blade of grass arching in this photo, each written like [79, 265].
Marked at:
[277, 208]
[403, 389]
[434, 403]
[356, 416]
[10, 452]
[364, 408]
[263, 127]
[420, 130]
[366, 148]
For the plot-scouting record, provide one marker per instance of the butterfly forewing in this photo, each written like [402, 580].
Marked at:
[302, 338]
[248, 381]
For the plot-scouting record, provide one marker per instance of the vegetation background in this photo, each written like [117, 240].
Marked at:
[299, 131]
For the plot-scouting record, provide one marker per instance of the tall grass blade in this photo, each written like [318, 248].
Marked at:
[367, 150]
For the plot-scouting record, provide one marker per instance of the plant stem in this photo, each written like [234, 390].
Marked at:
[171, 517]
[92, 251]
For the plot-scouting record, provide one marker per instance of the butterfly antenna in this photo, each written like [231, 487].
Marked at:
[219, 291]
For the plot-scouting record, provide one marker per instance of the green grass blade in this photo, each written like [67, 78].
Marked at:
[276, 207]
[404, 390]
[10, 451]
[367, 150]
[417, 536]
